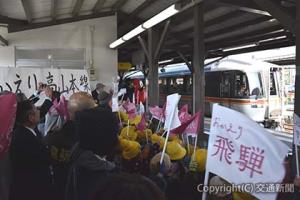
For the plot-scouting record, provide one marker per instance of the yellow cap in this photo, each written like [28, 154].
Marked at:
[200, 158]
[143, 134]
[136, 120]
[175, 138]
[158, 139]
[175, 150]
[129, 132]
[130, 149]
[124, 116]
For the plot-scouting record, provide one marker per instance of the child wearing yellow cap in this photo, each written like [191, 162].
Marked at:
[132, 157]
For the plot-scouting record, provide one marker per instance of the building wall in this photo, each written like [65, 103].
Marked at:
[72, 35]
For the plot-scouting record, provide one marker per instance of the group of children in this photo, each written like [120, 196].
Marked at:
[141, 152]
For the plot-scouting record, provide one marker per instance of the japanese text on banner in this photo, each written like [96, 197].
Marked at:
[246, 152]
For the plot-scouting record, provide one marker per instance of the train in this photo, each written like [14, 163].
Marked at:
[252, 87]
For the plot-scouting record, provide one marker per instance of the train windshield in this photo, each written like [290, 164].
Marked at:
[255, 84]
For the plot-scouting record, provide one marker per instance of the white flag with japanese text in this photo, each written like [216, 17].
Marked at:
[241, 151]
[296, 130]
[172, 104]
[25, 80]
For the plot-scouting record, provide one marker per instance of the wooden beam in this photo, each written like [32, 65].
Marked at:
[230, 38]
[144, 46]
[263, 46]
[7, 20]
[284, 18]
[3, 40]
[118, 5]
[27, 10]
[247, 6]
[77, 7]
[161, 40]
[238, 26]
[137, 11]
[16, 28]
[243, 39]
[185, 61]
[98, 5]
[53, 9]
[211, 22]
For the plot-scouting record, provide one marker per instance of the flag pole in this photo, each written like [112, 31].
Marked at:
[297, 159]
[119, 114]
[167, 136]
[204, 194]
[122, 98]
[158, 126]
[188, 144]
[195, 147]
[147, 136]
[127, 131]
[150, 122]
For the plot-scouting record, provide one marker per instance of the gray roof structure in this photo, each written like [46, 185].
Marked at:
[228, 23]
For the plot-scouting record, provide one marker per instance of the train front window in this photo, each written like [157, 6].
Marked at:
[241, 87]
[272, 84]
[255, 84]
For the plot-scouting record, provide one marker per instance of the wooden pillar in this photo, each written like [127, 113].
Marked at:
[297, 81]
[153, 92]
[198, 63]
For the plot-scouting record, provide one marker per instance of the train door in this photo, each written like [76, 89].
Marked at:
[274, 96]
[225, 88]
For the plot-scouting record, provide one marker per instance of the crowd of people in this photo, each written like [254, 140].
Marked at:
[78, 149]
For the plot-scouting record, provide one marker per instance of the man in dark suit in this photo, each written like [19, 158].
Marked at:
[31, 177]
[96, 92]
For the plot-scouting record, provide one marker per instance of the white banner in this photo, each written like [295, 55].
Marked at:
[172, 103]
[26, 80]
[296, 130]
[243, 152]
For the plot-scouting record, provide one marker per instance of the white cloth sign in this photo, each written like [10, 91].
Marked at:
[241, 151]
[296, 130]
[115, 104]
[172, 104]
[26, 80]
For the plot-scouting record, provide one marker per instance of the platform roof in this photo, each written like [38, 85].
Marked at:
[259, 24]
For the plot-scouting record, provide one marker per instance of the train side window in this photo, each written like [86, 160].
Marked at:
[212, 84]
[273, 90]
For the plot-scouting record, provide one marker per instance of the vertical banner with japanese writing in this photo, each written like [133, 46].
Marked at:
[296, 130]
[26, 80]
[241, 151]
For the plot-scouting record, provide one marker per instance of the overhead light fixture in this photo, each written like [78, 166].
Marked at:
[133, 32]
[165, 14]
[165, 61]
[239, 47]
[271, 39]
[116, 43]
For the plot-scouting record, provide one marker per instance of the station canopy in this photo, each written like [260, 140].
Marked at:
[231, 26]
